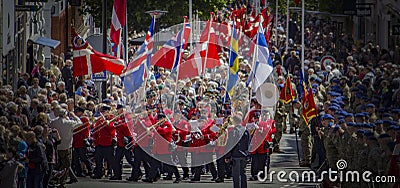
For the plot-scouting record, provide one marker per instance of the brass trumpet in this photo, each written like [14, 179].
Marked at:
[107, 122]
[144, 134]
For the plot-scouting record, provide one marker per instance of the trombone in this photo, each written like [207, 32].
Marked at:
[107, 122]
[144, 134]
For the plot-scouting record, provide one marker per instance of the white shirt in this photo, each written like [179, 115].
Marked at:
[65, 128]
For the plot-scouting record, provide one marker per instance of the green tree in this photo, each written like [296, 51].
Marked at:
[138, 20]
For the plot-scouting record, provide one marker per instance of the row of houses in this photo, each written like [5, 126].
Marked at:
[33, 30]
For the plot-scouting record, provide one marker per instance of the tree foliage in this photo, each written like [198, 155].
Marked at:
[138, 20]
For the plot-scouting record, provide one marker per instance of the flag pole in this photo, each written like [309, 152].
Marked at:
[148, 59]
[208, 41]
[126, 34]
[178, 66]
[287, 27]
[229, 67]
[255, 56]
[276, 23]
[302, 37]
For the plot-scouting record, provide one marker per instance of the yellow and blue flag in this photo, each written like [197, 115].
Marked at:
[233, 62]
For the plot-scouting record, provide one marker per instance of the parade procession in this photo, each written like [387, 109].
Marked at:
[239, 98]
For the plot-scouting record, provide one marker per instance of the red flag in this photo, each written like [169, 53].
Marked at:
[309, 110]
[205, 54]
[89, 61]
[297, 2]
[118, 20]
[287, 93]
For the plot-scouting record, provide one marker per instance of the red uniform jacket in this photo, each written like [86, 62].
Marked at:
[182, 130]
[78, 140]
[198, 144]
[142, 138]
[104, 136]
[162, 138]
[262, 136]
[122, 131]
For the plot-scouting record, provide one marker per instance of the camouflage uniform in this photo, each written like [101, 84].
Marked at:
[331, 150]
[374, 159]
[279, 120]
[306, 139]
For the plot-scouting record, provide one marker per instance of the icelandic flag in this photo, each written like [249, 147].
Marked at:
[135, 74]
[171, 53]
[262, 67]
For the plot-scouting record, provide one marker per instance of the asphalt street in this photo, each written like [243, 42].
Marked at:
[287, 162]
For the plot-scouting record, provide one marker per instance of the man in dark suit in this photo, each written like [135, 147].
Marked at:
[239, 141]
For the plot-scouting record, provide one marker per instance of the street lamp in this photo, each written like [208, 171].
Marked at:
[158, 14]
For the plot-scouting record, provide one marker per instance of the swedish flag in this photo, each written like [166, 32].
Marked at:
[233, 62]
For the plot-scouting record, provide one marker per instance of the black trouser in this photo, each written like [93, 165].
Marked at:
[182, 157]
[258, 162]
[47, 175]
[140, 156]
[80, 155]
[221, 167]
[120, 152]
[103, 153]
[202, 158]
[167, 167]
[239, 172]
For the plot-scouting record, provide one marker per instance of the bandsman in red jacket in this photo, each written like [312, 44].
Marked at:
[180, 136]
[161, 150]
[103, 135]
[260, 146]
[124, 137]
[201, 153]
[79, 151]
[143, 144]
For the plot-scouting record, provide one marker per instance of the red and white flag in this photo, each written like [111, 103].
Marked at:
[205, 55]
[89, 61]
[118, 21]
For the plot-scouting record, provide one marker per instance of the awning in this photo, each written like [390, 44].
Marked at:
[45, 41]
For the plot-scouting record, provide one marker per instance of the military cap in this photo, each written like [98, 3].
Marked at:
[318, 80]
[379, 121]
[384, 136]
[333, 108]
[336, 128]
[360, 131]
[391, 127]
[370, 105]
[368, 133]
[348, 115]
[387, 115]
[314, 91]
[359, 115]
[351, 124]
[328, 116]
[396, 110]
[341, 121]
